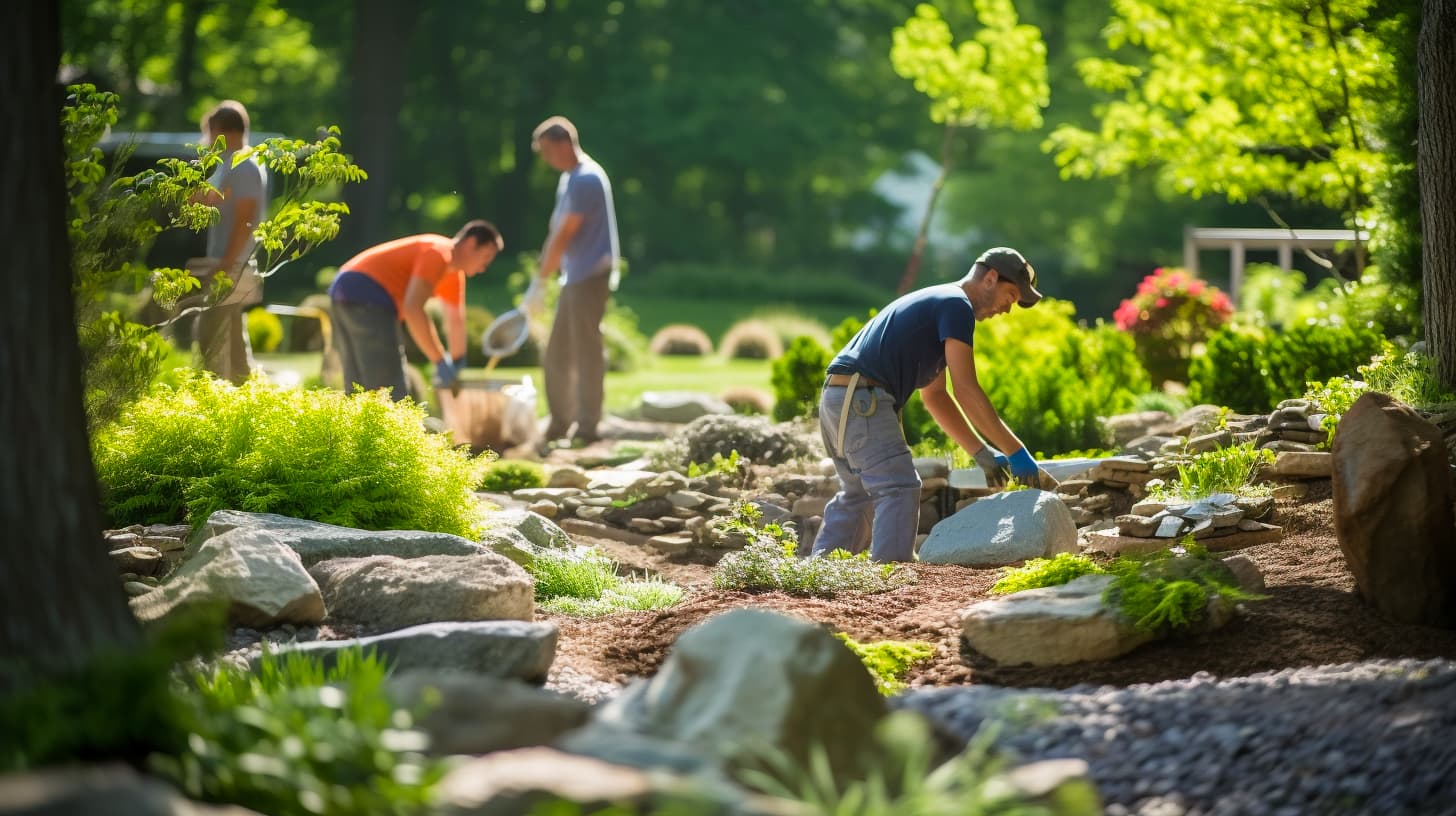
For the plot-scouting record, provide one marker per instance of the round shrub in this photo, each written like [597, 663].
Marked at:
[265, 330]
[796, 376]
[681, 339]
[506, 475]
[748, 400]
[755, 439]
[751, 339]
[1169, 315]
[788, 324]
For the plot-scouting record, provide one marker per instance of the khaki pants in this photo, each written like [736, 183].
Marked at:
[575, 363]
[222, 329]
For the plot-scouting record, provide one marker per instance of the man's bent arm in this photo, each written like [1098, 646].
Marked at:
[240, 231]
[948, 415]
[960, 362]
[455, 329]
[421, 328]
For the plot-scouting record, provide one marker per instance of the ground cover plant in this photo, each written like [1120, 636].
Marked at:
[769, 560]
[1229, 469]
[888, 661]
[1044, 572]
[505, 475]
[585, 583]
[356, 460]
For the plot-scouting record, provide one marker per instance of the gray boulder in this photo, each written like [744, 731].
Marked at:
[478, 714]
[390, 593]
[257, 577]
[504, 648]
[315, 541]
[88, 789]
[1051, 626]
[1001, 530]
[680, 406]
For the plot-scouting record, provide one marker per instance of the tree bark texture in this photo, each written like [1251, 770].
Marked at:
[382, 33]
[1436, 171]
[60, 600]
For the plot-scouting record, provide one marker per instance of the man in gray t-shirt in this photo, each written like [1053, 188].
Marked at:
[582, 246]
[241, 195]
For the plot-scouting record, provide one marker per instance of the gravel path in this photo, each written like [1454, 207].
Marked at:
[1374, 737]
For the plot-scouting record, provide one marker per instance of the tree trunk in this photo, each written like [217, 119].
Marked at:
[60, 600]
[1436, 170]
[382, 33]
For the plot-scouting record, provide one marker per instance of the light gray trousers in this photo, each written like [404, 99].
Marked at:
[878, 503]
[575, 364]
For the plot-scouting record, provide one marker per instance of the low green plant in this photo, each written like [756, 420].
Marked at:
[769, 561]
[797, 376]
[356, 460]
[1169, 591]
[902, 778]
[1222, 470]
[629, 594]
[265, 330]
[628, 500]
[1044, 572]
[888, 661]
[297, 737]
[720, 466]
[585, 583]
[506, 475]
[1407, 376]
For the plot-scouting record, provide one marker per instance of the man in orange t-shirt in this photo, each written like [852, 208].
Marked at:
[389, 283]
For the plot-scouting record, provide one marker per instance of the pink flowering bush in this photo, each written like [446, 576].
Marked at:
[1169, 316]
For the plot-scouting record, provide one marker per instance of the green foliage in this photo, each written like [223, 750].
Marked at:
[1222, 470]
[1250, 369]
[903, 779]
[1169, 591]
[1171, 404]
[1409, 377]
[755, 439]
[584, 583]
[1052, 381]
[506, 475]
[888, 661]
[720, 466]
[294, 737]
[1277, 297]
[354, 460]
[1199, 84]
[265, 330]
[996, 79]
[1045, 572]
[769, 561]
[798, 375]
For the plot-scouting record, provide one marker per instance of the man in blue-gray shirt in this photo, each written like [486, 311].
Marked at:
[582, 246]
[912, 344]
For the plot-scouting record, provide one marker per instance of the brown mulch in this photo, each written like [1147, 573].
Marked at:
[1312, 617]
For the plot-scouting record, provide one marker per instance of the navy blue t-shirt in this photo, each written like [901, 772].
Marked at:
[904, 345]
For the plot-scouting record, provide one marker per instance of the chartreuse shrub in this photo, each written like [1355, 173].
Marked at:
[770, 561]
[888, 661]
[1223, 470]
[1044, 572]
[505, 475]
[1164, 592]
[1407, 376]
[295, 737]
[354, 460]
[585, 583]
[265, 330]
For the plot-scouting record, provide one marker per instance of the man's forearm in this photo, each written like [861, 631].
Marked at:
[551, 256]
[948, 416]
[977, 408]
[422, 329]
[455, 331]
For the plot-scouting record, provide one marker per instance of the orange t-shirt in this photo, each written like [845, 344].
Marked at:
[392, 265]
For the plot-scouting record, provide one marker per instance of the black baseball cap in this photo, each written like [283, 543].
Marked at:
[1010, 265]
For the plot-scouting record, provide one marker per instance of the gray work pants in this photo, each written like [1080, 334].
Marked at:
[370, 346]
[878, 503]
[575, 364]
[222, 334]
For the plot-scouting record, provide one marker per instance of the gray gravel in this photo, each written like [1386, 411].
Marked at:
[1375, 737]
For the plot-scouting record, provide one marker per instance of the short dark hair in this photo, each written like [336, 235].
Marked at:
[228, 116]
[557, 129]
[483, 232]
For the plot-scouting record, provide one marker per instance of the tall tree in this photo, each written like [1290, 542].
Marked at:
[64, 605]
[1436, 166]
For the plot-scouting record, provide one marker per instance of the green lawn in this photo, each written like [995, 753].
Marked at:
[712, 375]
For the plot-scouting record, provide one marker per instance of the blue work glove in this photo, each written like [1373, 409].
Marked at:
[1023, 467]
[445, 374]
[459, 363]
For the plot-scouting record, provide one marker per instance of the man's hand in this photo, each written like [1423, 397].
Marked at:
[1023, 468]
[534, 301]
[445, 374]
[459, 363]
[993, 464]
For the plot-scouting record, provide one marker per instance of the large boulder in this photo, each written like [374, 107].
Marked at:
[1001, 530]
[1052, 626]
[315, 541]
[389, 593]
[85, 789]
[746, 681]
[477, 714]
[500, 648]
[259, 579]
[1393, 517]
[680, 406]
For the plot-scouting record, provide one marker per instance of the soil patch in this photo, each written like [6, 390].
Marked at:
[1312, 617]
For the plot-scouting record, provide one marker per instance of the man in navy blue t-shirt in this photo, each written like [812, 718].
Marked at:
[912, 344]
